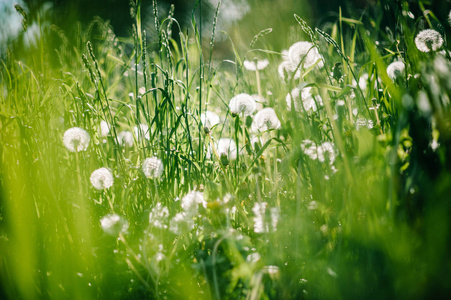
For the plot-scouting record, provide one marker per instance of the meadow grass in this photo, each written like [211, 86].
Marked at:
[344, 193]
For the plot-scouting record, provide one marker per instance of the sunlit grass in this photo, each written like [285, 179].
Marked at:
[317, 181]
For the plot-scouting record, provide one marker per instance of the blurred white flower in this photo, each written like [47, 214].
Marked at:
[227, 147]
[113, 224]
[326, 150]
[274, 213]
[158, 216]
[428, 40]
[152, 167]
[434, 144]
[252, 66]
[265, 119]
[259, 210]
[423, 103]
[142, 90]
[396, 69]
[242, 104]
[191, 201]
[319, 152]
[253, 257]
[271, 270]
[76, 139]
[181, 223]
[104, 128]
[102, 179]
[361, 122]
[142, 131]
[209, 119]
[125, 138]
[308, 100]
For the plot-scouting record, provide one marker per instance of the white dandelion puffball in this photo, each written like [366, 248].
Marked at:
[259, 217]
[226, 147]
[125, 138]
[304, 53]
[181, 223]
[428, 40]
[102, 179]
[76, 139]
[254, 66]
[242, 104]
[319, 152]
[113, 224]
[152, 167]
[142, 131]
[304, 98]
[104, 128]
[158, 216]
[191, 201]
[209, 119]
[265, 119]
[286, 67]
[396, 69]
[362, 122]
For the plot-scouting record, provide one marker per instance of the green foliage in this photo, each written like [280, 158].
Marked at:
[347, 198]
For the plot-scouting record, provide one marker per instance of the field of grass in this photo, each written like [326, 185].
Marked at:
[150, 167]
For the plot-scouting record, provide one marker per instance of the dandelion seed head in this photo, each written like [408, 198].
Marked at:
[104, 128]
[423, 103]
[158, 216]
[363, 82]
[396, 69]
[428, 40]
[304, 52]
[253, 257]
[308, 100]
[265, 119]
[274, 213]
[272, 270]
[142, 131]
[259, 211]
[125, 138]
[209, 119]
[113, 224]
[242, 104]
[152, 167]
[254, 66]
[76, 139]
[181, 223]
[362, 122]
[322, 152]
[227, 147]
[191, 202]
[434, 144]
[286, 67]
[159, 257]
[102, 179]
